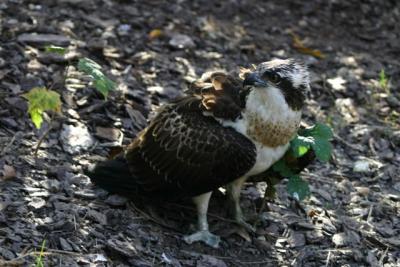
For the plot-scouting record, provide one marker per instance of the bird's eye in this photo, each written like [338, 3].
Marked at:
[272, 77]
[275, 78]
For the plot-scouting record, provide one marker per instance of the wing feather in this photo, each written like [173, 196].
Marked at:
[184, 153]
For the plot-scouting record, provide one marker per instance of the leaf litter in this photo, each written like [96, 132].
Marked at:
[359, 209]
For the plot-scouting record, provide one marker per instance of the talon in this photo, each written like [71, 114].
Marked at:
[246, 225]
[204, 236]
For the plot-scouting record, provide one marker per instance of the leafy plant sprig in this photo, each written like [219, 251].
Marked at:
[55, 49]
[39, 258]
[317, 138]
[41, 99]
[383, 81]
[103, 84]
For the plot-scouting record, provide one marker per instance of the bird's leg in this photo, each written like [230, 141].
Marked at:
[202, 234]
[233, 191]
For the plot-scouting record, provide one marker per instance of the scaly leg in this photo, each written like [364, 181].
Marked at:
[203, 234]
[233, 192]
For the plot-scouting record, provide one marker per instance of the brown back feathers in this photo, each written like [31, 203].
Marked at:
[221, 94]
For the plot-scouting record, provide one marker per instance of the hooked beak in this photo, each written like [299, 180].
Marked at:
[253, 79]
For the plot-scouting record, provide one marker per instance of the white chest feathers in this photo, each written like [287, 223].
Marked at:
[270, 123]
[266, 156]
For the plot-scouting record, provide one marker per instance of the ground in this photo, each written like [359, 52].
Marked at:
[153, 50]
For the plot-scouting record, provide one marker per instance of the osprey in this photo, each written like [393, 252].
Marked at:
[220, 134]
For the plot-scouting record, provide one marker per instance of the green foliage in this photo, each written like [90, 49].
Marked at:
[300, 145]
[39, 258]
[55, 49]
[383, 80]
[316, 138]
[101, 82]
[282, 168]
[298, 188]
[40, 99]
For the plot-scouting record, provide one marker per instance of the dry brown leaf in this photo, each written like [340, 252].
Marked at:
[156, 33]
[312, 213]
[299, 45]
[8, 172]
[362, 190]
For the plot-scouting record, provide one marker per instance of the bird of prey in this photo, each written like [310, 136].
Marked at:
[220, 134]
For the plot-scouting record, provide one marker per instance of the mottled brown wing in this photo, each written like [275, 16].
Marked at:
[184, 153]
[222, 95]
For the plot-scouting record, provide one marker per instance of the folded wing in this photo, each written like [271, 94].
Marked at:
[184, 153]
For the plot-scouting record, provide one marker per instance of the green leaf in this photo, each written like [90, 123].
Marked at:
[322, 149]
[298, 188]
[55, 49]
[318, 130]
[101, 82]
[300, 145]
[87, 65]
[282, 168]
[317, 137]
[39, 100]
[36, 117]
[383, 81]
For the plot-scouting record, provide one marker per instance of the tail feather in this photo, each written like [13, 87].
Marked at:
[113, 176]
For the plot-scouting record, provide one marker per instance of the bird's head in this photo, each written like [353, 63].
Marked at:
[288, 75]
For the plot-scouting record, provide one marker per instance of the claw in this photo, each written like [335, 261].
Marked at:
[233, 191]
[245, 225]
[204, 236]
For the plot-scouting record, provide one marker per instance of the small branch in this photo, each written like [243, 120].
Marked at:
[208, 213]
[337, 137]
[8, 146]
[328, 259]
[44, 136]
[19, 261]
[383, 256]
[151, 218]
[42, 139]
[262, 208]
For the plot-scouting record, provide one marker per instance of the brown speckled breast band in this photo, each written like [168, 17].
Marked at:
[270, 133]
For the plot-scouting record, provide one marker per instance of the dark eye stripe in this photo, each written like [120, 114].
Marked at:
[294, 97]
[286, 85]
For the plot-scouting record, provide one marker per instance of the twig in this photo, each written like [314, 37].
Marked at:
[44, 136]
[328, 258]
[337, 137]
[147, 216]
[263, 205]
[41, 140]
[235, 260]
[254, 262]
[14, 262]
[369, 213]
[208, 214]
[383, 256]
[19, 260]
[8, 145]
[330, 93]
[371, 142]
